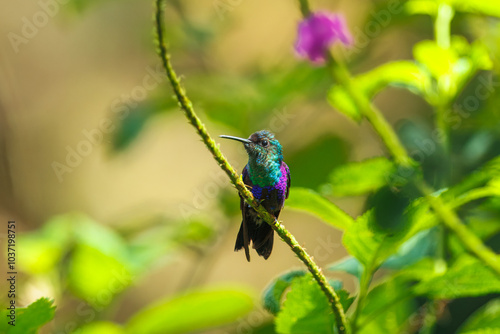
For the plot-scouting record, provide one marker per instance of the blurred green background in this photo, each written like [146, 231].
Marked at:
[118, 202]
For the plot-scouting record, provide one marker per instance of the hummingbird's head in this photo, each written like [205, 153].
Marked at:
[261, 147]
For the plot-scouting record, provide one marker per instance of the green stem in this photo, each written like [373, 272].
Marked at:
[450, 219]
[236, 180]
[364, 285]
[372, 114]
[305, 8]
[442, 25]
[430, 317]
[442, 124]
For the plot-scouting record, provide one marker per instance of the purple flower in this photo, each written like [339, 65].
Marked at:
[318, 32]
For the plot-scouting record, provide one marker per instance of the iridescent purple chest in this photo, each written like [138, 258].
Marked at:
[274, 195]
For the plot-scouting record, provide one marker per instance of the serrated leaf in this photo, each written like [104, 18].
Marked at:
[273, 293]
[307, 200]
[487, 318]
[28, 319]
[307, 310]
[465, 278]
[360, 178]
[191, 312]
[349, 264]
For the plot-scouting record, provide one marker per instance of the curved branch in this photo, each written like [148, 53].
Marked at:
[236, 180]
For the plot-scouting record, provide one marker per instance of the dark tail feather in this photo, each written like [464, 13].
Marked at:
[263, 240]
[240, 240]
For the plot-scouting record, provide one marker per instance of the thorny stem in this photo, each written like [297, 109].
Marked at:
[186, 105]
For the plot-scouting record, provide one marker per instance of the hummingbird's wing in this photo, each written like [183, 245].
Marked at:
[243, 239]
[288, 180]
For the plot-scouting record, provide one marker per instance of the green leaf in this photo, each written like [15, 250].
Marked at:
[341, 100]
[43, 249]
[360, 178]
[193, 311]
[273, 293]
[467, 277]
[307, 310]
[487, 318]
[98, 289]
[430, 7]
[194, 232]
[419, 246]
[451, 67]
[387, 307]
[132, 117]
[307, 200]
[29, 319]
[100, 327]
[368, 244]
[349, 264]
[439, 61]
[404, 74]
[477, 7]
[130, 126]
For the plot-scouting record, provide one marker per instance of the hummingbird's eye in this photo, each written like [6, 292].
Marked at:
[264, 143]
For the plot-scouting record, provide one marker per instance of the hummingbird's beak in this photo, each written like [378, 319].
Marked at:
[245, 141]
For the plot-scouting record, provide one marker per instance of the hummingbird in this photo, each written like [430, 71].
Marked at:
[268, 178]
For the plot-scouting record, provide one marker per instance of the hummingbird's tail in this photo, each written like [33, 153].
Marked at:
[243, 240]
[263, 240]
[262, 236]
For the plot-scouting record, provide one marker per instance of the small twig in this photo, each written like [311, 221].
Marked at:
[236, 180]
